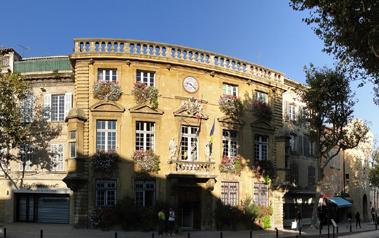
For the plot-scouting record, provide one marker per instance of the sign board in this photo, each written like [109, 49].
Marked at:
[333, 222]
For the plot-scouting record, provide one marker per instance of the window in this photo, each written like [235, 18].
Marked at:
[299, 144]
[4, 61]
[229, 193]
[311, 176]
[107, 75]
[230, 144]
[261, 194]
[72, 144]
[189, 143]
[56, 107]
[261, 97]
[261, 147]
[146, 77]
[27, 108]
[57, 157]
[306, 146]
[105, 193]
[229, 89]
[105, 135]
[144, 135]
[291, 112]
[294, 171]
[145, 193]
[292, 142]
[26, 157]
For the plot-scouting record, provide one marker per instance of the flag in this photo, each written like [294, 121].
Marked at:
[211, 135]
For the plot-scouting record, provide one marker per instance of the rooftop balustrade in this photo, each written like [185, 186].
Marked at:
[172, 53]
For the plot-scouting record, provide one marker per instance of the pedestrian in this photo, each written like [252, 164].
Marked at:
[171, 222]
[298, 220]
[373, 214]
[161, 222]
[357, 220]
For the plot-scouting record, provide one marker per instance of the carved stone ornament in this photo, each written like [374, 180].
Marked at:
[192, 108]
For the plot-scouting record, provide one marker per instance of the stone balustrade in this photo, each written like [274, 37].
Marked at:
[193, 167]
[176, 53]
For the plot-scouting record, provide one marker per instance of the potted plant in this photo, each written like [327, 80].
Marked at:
[262, 110]
[265, 169]
[104, 161]
[231, 106]
[107, 90]
[231, 164]
[146, 160]
[145, 94]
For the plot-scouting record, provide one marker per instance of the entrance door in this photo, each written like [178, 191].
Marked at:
[189, 208]
[53, 210]
[364, 207]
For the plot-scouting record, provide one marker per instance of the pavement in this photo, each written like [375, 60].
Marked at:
[33, 230]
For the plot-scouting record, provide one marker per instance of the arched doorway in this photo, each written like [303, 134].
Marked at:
[364, 208]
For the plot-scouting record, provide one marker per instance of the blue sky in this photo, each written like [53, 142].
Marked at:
[266, 32]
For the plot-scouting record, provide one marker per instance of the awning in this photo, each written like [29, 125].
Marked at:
[340, 202]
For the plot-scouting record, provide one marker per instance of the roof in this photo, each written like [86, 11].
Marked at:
[43, 64]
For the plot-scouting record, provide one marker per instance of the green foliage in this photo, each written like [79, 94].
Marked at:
[16, 130]
[107, 90]
[231, 106]
[350, 31]
[330, 111]
[104, 161]
[231, 164]
[374, 171]
[266, 222]
[147, 160]
[103, 218]
[145, 94]
[266, 169]
[262, 111]
[227, 216]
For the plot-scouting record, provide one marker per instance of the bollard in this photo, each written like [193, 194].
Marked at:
[188, 235]
[152, 235]
[41, 234]
[320, 228]
[376, 226]
[350, 226]
[251, 234]
[115, 235]
[276, 232]
[5, 232]
[300, 231]
[328, 230]
[221, 235]
[337, 230]
[333, 231]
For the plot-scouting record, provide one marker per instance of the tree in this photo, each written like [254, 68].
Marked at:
[374, 170]
[22, 130]
[329, 104]
[350, 31]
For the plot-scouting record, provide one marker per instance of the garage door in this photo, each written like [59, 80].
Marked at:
[52, 209]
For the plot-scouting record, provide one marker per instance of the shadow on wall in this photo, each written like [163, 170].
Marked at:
[128, 193]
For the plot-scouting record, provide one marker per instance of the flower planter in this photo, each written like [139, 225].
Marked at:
[147, 161]
[231, 106]
[107, 90]
[231, 165]
[145, 94]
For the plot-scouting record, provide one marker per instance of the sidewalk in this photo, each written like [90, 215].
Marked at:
[31, 230]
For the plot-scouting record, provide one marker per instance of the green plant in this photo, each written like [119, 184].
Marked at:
[266, 222]
[103, 218]
[231, 106]
[262, 110]
[107, 90]
[104, 161]
[147, 160]
[227, 216]
[266, 169]
[145, 94]
[231, 164]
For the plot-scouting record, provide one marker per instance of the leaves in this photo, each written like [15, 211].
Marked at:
[350, 30]
[231, 106]
[145, 94]
[107, 90]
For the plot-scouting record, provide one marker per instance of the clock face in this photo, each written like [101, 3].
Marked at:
[190, 84]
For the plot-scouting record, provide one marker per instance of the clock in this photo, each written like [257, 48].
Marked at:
[190, 84]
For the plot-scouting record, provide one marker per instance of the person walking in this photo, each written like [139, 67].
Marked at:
[171, 222]
[161, 222]
[373, 215]
[298, 220]
[357, 220]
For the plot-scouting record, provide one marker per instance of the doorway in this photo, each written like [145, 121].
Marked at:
[364, 208]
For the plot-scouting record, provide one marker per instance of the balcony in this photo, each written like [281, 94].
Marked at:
[199, 169]
[92, 48]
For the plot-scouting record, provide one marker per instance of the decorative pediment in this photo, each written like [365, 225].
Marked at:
[145, 109]
[191, 108]
[228, 122]
[262, 125]
[107, 107]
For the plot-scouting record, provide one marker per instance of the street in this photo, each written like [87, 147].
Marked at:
[370, 234]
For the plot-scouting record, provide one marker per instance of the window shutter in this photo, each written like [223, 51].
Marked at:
[47, 106]
[67, 103]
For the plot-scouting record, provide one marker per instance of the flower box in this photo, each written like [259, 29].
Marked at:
[147, 161]
[107, 90]
[104, 161]
[145, 94]
[231, 164]
[231, 106]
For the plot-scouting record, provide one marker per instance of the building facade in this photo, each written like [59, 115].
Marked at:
[196, 139]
